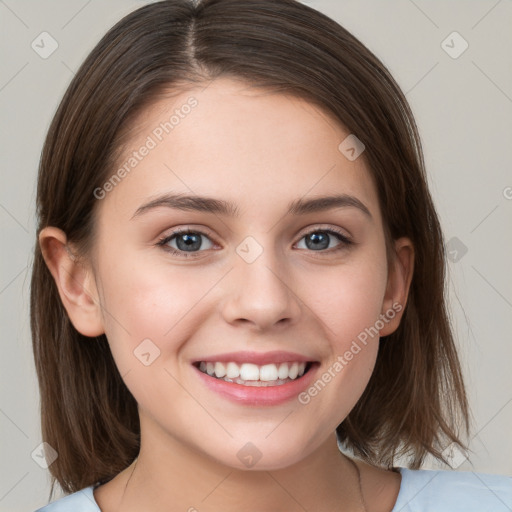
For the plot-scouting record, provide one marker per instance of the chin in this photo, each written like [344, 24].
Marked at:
[261, 454]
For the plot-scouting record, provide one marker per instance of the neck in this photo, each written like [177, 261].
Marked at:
[180, 477]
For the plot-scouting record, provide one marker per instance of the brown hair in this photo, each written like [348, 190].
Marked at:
[415, 401]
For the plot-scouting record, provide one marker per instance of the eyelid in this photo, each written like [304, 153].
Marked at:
[187, 229]
[327, 228]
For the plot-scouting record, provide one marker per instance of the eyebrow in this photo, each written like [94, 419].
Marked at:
[222, 207]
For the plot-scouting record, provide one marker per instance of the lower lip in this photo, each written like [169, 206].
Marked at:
[258, 395]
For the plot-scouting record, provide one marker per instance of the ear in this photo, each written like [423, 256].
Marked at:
[75, 283]
[399, 280]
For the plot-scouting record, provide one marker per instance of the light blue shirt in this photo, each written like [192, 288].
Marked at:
[421, 490]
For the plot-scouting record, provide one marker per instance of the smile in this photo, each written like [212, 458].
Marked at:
[255, 378]
[249, 374]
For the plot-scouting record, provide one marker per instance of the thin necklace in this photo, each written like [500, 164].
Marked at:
[363, 504]
[129, 478]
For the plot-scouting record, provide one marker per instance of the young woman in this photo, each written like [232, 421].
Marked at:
[240, 271]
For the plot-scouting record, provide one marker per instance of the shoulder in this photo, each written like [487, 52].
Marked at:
[424, 490]
[80, 501]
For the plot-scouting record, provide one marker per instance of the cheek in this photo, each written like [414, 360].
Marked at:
[347, 300]
[149, 316]
[149, 302]
[346, 303]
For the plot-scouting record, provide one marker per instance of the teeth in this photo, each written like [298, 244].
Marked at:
[268, 372]
[233, 371]
[292, 372]
[220, 370]
[248, 372]
[282, 373]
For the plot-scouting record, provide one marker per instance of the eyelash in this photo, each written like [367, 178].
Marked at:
[345, 242]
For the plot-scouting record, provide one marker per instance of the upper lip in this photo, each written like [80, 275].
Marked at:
[258, 358]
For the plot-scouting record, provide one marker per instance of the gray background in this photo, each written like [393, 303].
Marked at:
[462, 105]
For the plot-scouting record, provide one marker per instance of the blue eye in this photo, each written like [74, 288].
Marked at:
[189, 243]
[320, 239]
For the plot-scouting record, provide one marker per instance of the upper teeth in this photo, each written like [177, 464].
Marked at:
[249, 371]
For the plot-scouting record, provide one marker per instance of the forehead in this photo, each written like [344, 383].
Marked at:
[227, 139]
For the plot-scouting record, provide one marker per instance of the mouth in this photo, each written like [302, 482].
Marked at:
[254, 375]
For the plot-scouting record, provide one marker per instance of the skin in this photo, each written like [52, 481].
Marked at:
[260, 151]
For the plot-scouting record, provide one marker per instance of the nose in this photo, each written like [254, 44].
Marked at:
[261, 294]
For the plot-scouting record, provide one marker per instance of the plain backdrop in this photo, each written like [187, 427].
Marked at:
[462, 100]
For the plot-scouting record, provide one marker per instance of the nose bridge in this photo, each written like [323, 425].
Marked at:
[261, 291]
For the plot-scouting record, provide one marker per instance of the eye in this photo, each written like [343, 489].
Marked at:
[189, 243]
[320, 239]
[186, 242]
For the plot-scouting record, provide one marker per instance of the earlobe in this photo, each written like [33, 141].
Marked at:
[399, 281]
[74, 282]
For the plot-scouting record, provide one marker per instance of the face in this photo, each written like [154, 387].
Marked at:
[259, 280]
